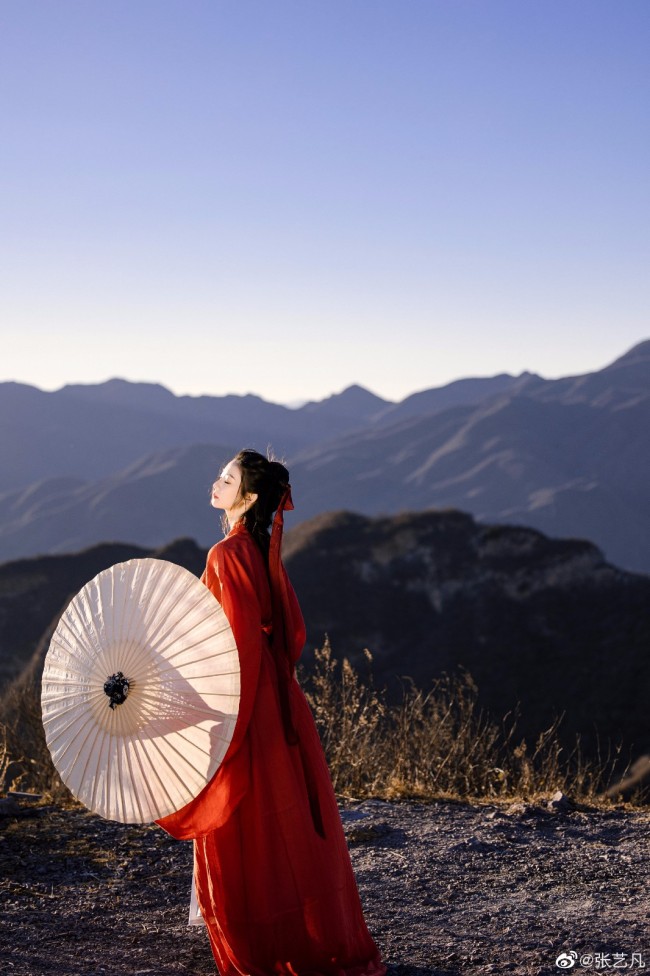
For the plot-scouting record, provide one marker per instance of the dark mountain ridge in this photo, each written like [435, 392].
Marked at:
[542, 622]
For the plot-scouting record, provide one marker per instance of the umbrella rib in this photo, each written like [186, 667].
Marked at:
[56, 735]
[153, 701]
[154, 745]
[207, 712]
[177, 669]
[195, 745]
[153, 802]
[230, 649]
[116, 617]
[129, 605]
[136, 795]
[88, 699]
[93, 654]
[71, 650]
[171, 746]
[180, 596]
[113, 605]
[153, 572]
[161, 648]
[90, 753]
[87, 630]
[86, 693]
[177, 621]
[78, 682]
[124, 757]
[188, 762]
[166, 667]
[59, 639]
[95, 778]
[115, 775]
[219, 738]
[120, 770]
[124, 605]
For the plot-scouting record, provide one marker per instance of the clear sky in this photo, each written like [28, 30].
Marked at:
[288, 196]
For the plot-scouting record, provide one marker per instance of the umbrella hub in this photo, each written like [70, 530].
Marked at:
[117, 688]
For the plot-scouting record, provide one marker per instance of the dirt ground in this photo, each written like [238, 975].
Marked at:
[448, 889]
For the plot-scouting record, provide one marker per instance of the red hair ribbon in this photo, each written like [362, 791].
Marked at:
[279, 600]
[283, 659]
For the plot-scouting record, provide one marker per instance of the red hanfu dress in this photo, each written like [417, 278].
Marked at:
[273, 877]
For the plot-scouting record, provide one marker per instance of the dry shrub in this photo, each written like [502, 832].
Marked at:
[437, 744]
[30, 765]
[349, 715]
[5, 757]
[434, 744]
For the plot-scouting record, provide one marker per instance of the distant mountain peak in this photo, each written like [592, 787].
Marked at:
[637, 354]
[357, 393]
[356, 388]
[354, 400]
[117, 389]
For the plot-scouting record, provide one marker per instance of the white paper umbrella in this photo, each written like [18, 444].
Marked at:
[140, 690]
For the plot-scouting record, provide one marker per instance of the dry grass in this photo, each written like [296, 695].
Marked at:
[5, 757]
[27, 763]
[434, 744]
[440, 743]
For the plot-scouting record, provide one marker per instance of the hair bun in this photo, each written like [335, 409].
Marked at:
[279, 473]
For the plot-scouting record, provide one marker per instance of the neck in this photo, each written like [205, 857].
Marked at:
[234, 516]
[235, 513]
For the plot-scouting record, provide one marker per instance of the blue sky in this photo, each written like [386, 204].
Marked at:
[288, 197]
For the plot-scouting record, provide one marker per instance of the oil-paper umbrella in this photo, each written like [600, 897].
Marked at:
[140, 690]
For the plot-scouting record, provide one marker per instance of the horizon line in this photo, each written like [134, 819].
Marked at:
[297, 402]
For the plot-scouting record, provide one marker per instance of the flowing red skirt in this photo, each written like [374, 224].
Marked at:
[275, 895]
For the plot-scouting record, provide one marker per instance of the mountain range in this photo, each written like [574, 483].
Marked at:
[132, 462]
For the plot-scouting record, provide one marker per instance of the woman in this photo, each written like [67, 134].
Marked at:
[273, 876]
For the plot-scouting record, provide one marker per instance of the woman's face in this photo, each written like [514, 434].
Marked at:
[225, 490]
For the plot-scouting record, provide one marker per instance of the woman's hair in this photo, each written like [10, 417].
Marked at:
[267, 479]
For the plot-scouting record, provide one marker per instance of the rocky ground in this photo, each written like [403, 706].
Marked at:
[448, 889]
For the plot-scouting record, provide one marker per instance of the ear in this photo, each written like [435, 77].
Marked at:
[251, 497]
